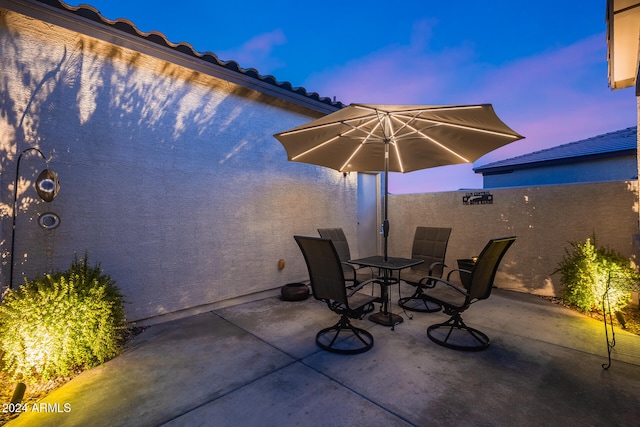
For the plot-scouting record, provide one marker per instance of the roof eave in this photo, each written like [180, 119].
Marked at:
[86, 21]
[489, 170]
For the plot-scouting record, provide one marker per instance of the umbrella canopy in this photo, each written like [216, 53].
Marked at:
[418, 137]
[397, 138]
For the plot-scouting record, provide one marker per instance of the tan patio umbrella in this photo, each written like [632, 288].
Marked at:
[397, 138]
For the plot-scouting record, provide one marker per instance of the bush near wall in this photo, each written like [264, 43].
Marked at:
[587, 271]
[53, 325]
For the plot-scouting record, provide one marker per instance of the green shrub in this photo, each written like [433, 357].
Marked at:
[53, 325]
[585, 272]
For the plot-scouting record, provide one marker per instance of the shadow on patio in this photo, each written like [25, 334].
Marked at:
[256, 364]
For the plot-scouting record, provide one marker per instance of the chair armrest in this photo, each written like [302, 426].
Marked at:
[432, 266]
[352, 265]
[425, 280]
[353, 270]
[363, 284]
[459, 270]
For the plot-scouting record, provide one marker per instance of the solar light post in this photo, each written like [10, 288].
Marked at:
[47, 186]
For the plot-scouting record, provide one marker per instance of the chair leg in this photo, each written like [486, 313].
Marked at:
[418, 302]
[356, 341]
[455, 334]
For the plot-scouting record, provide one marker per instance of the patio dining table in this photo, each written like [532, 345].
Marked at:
[387, 267]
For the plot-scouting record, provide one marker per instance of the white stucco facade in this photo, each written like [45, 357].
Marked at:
[170, 176]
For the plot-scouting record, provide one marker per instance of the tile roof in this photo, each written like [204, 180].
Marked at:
[621, 142]
[126, 26]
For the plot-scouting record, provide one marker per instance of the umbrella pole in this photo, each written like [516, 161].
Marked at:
[385, 223]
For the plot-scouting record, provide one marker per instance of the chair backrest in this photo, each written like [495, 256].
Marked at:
[484, 272]
[325, 270]
[430, 245]
[339, 240]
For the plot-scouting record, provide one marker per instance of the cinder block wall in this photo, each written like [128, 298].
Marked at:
[170, 178]
[543, 218]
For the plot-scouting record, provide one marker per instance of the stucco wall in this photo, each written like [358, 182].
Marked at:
[544, 219]
[170, 178]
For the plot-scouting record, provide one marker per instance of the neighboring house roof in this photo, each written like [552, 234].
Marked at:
[613, 144]
[128, 27]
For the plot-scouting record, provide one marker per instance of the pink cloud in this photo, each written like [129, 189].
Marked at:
[559, 96]
[395, 74]
[257, 50]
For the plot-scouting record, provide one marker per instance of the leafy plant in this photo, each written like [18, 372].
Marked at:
[587, 270]
[53, 325]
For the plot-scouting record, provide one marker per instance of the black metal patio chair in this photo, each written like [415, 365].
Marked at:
[328, 285]
[430, 245]
[455, 299]
[352, 273]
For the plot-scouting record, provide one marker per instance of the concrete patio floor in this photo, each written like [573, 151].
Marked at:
[256, 364]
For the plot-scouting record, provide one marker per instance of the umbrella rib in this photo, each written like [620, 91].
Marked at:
[404, 125]
[419, 109]
[491, 132]
[471, 128]
[393, 141]
[324, 125]
[369, 134]
[350, 157]
[397, 150]
[444, 147]
[306, 129]
[408, 119]
[315, 148]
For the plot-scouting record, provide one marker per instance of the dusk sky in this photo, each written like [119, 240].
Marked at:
[542, 64]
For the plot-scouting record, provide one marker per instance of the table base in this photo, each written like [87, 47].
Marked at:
[386, 319]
